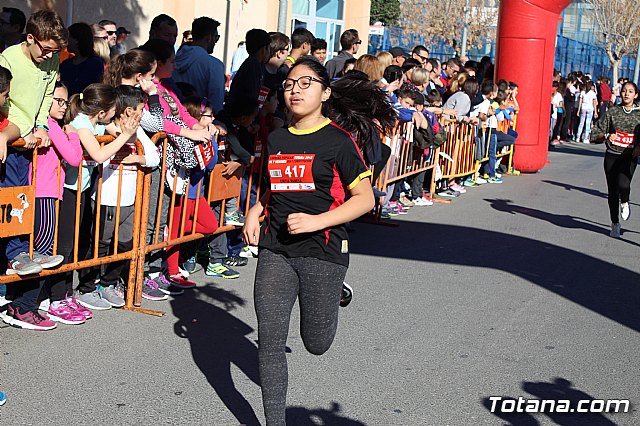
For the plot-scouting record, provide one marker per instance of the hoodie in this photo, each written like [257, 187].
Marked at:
[204, 72]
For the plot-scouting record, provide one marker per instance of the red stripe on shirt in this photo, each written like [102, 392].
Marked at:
[338, 193]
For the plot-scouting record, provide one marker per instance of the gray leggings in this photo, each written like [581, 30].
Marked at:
[279, 282]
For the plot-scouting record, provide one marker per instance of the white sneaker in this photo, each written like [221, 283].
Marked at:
[625, 211]
[183, 272]
[3, 301]
[44, 305]
[615, 230]
[480, 180]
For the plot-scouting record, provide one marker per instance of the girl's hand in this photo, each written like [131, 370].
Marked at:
[129, 125]
[148, 87]
[251, 230]
[301, 223]
[45, 141]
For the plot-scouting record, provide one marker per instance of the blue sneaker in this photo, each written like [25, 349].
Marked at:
[217, 269]
[191, 266]
[494, 180]
[3, 398]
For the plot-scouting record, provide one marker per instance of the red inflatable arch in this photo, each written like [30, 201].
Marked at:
[525, 54]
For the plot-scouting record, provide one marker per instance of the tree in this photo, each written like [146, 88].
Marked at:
[618, 26]
[385, 11]
[445, 20]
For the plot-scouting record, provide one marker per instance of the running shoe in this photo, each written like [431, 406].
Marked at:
[150, 290]
[405, 201]
[423, 202]
[3, 398]
[449, 193]
[625, 211]
[30, 320]
[64, 314]
[234, 218]
[109, 294]
[347, 295]
[47, 262]
[385, 215]
[459, 188]
[190, 265]
[480, 180]
[44, 305]
[494, 180]
[72, 302]
[181, 281]
[249, 251]
[616, 230]
[217, 269]
[234, 261]
[166, 286]
[23, 265]
[93, 300]
[3, 301]
[469, 183]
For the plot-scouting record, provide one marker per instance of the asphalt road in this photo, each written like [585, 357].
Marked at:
[513, 290]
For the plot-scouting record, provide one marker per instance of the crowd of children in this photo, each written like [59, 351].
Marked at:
[141, 92]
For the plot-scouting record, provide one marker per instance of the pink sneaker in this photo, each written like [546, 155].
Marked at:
[65, 314]
[459, 188]
[30, 320]
[73, 304]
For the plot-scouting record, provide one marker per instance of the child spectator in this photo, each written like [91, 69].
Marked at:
[121, 169]
[319, 50]
[88, 114]
[301, 41]
[34, 67]
[50, 176]
[557, 103]
[238, 117]
[587, 111]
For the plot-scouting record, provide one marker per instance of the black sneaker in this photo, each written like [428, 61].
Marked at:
[232, 261]
[347, 295]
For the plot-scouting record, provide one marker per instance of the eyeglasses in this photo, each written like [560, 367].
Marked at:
[111, 32]
[45, 50]
[303, 82]
[206, 115]
[61, 102]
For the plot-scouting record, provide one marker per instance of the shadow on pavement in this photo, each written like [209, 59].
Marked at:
[560, 220]
[574, 148]
[588, 191]
[600, 286]
[300, 416]
[558, 389]
[218, 339]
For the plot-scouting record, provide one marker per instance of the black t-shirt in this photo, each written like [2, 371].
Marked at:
[336, 165]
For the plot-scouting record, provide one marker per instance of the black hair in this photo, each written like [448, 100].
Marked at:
[162, 49]
[433, 96]
[407, 93]
[410, 64]
[241, 106]
[487, 87]
[434, 63]
[420, 99]
[357, 105]
[279, 42]
[106, 22]
[83, 34]
[196, 105]
[203, 27]
[501, 96]
[419, 48]
[514, 85]
[350, 61]
[5, 78]
[318, 44]
[392, 73]
[503, 84]
[16, 17]
[162, 19]
[631, 83]
[300, 36]
[128, 97]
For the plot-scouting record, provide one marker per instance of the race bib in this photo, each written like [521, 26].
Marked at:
[291, 172]
[262, 96]
[204, 154]
[623, 139]
[257, 150]
[87, 161]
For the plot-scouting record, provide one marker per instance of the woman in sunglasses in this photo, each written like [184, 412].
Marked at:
[317, 181]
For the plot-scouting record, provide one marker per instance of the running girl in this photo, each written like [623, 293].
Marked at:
[317, 181]
[618, 128]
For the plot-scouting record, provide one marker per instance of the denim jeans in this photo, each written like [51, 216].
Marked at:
[497, 140]
[585, 123]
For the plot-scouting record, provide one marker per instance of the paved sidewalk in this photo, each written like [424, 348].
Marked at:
[513, 290]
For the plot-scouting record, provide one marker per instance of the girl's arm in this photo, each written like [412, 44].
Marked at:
[67, 144]
[102, 154]
[360, 202]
